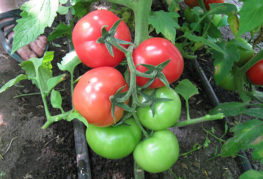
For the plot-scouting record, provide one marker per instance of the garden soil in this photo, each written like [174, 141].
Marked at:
[29, 152]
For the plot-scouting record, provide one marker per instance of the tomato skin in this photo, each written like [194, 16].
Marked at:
[166, 114]
[92, 92]
[154, 51]
[207, 2]
[158, 152]
[227, 82]
[191, 3]
[114, 142]
[255, 73]
[86, 33]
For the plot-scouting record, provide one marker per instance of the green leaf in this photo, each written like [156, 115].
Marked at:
[186, 89]
[165, 23]
[39, 70]
[246, 135]
[213, 31]
[12, 82]
[229, 108]
[69, 62]
[56, 99]
[207, 42]
[81, 8]
[221, 8]
[254, 112]
[52, 82]
[36, 16]
[251, 16]
[233, 22]
[60, 31]
[63, 10]
[252, 174]
[225, 61]
[76, 115]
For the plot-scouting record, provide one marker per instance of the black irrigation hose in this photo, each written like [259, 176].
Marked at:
[81, 148]
[242, 157]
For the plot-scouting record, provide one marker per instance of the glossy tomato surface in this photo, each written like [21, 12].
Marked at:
[191, 3]
[114, 142]
[158, 152]
[155, 51]
[166, 113]
[86, 33]
[208, 2]
[255, 73]
[92, 92]
[227, 82]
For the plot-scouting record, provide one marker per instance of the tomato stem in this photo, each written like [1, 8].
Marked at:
[56, 118]
[145, 133]
[252, 62]
[200, 119]
[141, 14]
[187, 110]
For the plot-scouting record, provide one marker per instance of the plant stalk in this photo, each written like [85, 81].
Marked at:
[141, 11]
[199, 120]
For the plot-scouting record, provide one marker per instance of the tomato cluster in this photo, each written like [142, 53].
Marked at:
[93, 93]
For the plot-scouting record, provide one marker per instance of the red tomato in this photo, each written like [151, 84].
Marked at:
[92, 92]
[255, 73]
[191, 3]
[86, 33]
[154, 51]
[207, 2]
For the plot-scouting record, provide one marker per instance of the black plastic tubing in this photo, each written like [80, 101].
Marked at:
[242, 157]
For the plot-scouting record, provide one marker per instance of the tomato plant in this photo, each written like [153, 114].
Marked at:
[86, 33]
[227, 82]
[189, 15]
[158, 152]
[166, 113]
[245, 50]
[92, 92]
[155, 51]
[191, 3]
[208, 2]
[255, 73]
[114, 142]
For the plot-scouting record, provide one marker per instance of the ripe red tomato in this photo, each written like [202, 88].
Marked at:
[92, 92]
[207, 2]
[191, 3]
[86, 33]
[255, 73]
[154, 51]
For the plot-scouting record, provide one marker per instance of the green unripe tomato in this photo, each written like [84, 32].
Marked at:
[216, 19]
[158, 152]
[166, 114]
[114, 142]
[245, 50]
[227, 82]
